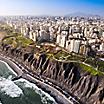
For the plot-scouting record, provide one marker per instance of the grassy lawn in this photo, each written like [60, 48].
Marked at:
[95, 67]
[61, 55]
[90, 69]
[17, 41]
[24, 42]
[101, 66]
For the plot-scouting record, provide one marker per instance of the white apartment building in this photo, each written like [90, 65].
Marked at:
[68, 45]
[63, 41]
[34, 36]
[31, 35]
[58, 39]
[103, 34]
[72, 45]
[75, 45]
[102, 47]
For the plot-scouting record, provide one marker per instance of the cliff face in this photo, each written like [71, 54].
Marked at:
[67, 75]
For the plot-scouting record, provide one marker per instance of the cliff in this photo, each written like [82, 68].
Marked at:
[68, 76]
[87, 88]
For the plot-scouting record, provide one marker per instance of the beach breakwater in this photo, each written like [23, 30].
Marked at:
[68, 78]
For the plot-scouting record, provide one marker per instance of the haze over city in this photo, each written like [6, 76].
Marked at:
[51, 7]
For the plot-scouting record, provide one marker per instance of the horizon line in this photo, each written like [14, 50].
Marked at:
[72, 14]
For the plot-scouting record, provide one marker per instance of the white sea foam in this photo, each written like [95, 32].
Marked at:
[0, 102]
[10, 77]
[9, 88]
[28, 84]
[8, 67]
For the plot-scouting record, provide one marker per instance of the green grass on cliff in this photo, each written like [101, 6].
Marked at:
[93, 66]
[14, 38]
[17, 41]
[91, 69]
[23, 41]
[61, 55]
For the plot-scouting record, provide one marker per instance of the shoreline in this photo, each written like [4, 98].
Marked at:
[13, 66]
[58, 96]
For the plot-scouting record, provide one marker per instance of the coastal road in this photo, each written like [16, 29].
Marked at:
[59, 97]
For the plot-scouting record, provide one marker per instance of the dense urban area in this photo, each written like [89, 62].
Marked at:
[78, 35]
[81, 36]
[69, 51]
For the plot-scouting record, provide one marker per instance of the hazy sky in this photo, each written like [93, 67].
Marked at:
[50, 7]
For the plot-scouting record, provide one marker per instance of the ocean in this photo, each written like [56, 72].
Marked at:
[20, 91]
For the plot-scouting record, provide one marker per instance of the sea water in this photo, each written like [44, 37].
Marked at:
[20, 91]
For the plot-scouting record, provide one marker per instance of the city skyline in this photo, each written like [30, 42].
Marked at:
[51, 7]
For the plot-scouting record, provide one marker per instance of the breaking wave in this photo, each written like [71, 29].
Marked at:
[9, 88]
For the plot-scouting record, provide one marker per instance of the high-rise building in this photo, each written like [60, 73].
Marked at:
[76, 46]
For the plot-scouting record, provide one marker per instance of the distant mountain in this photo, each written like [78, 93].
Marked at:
[79, 14]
